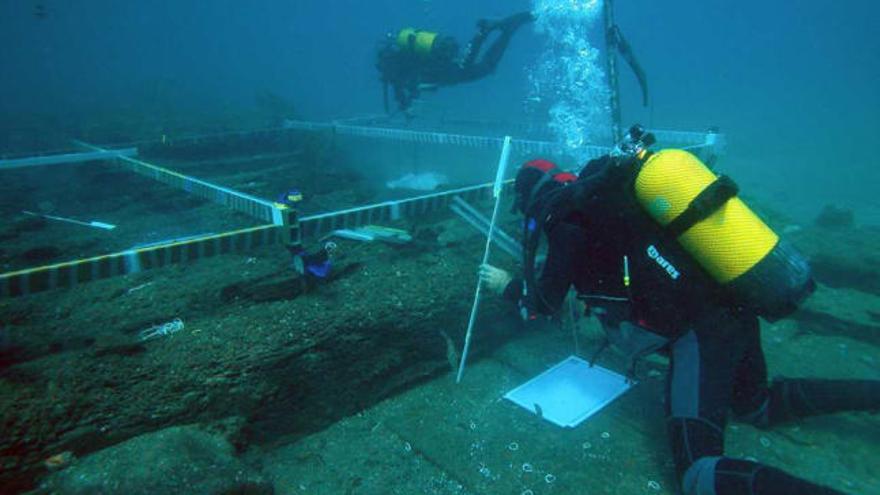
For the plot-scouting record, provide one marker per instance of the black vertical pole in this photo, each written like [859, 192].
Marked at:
[611, 61]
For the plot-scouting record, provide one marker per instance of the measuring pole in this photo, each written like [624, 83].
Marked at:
[496, 193]
[611, 63]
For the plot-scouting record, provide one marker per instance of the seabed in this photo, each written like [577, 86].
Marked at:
[348, 386]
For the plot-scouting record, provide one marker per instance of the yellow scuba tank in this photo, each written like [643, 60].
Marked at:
[416, 40]
[735, 247]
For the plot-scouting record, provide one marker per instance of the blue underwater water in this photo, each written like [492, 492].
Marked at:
[792, 85]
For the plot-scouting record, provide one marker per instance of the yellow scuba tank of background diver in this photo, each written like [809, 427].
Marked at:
[416, 40]
[722, 234]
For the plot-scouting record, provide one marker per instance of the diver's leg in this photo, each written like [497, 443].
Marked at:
[787, 398]
[699, 392]
[790, 399]
[739, 476]
[696, 405]
[476, 43]
[750, 388]
[489, 61]
[513, 22]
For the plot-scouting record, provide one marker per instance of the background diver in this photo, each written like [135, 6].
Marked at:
[650, 293]
[415, 60]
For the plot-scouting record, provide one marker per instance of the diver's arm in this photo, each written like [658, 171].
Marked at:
[564, 261]
[401, 94]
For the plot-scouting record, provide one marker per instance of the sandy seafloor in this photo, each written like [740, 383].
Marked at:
[443, 437]
[430, 435]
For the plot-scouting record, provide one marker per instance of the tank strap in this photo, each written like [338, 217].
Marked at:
[704, 204]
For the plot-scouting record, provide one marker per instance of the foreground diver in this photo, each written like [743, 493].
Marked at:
[651, 287]
[414, 60]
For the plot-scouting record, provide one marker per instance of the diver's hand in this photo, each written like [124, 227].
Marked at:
[495, 279]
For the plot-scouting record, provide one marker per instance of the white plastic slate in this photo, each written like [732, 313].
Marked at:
[570, 392]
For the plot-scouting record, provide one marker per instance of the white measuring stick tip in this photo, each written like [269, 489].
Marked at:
[502, 167]
[102, 225]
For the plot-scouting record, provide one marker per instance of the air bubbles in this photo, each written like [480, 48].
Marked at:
[568, 81]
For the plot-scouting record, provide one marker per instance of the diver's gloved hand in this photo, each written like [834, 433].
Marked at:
[495, 279]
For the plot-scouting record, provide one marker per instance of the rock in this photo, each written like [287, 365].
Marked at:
[42, 254]
[180, 459]
[29, 224]
[835, 217]
[289, 367]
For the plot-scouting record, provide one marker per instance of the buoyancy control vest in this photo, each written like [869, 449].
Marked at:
[635, 257]
[635, 270]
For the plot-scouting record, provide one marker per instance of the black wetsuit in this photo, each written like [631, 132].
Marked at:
[407, 72]
[717, 363]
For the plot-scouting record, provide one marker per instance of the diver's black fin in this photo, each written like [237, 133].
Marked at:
[515, 21]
